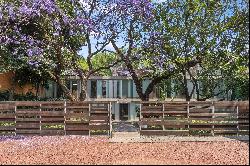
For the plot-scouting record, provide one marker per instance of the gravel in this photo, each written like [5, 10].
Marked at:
[98, 150]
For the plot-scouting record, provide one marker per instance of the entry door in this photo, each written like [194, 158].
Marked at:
[123, 111]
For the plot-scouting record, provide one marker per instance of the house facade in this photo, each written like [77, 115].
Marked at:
[119, 90]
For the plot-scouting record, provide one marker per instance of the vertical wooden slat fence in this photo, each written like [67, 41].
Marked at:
[194, 118]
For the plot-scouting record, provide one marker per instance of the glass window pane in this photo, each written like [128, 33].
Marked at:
[74, 87]
[118, 88]
[125, 88]
[104, 89]
[93, 91]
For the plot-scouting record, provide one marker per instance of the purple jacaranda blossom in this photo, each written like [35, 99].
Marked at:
[25, 10]
[16, 42]
[23, 38]
[65, 19]
[30, 41]
[37, 51]
[80, 20]
[71, 32]
[36, 27]
[57, 25]
[30, 52]
[34, 63]
[11, 12]
[56, 34]
[1, 15]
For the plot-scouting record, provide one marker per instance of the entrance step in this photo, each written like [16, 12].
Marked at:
[125, 134]
[125, 127]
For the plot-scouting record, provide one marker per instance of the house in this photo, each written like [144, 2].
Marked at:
[119, 89]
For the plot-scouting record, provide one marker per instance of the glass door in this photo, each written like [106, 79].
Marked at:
[123, 111]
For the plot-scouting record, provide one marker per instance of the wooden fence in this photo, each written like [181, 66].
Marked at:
[54, 118]
[92, 118]
[194, 118]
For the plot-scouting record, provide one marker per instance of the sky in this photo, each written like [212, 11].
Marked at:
[84, 51]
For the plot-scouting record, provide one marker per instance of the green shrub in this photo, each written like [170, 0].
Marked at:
[4, 95]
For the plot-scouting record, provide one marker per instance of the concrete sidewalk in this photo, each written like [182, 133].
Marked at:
[127, 137]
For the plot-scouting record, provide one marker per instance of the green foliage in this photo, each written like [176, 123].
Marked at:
[29, 96]
[100, 60]
[4, 95]
[216, 32]
[27, 75]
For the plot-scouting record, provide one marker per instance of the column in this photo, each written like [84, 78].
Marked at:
[110, 89]
[88, 89]
[99, 88]
[117, 111]
[132, 113]
[115, 88]
[107, 88]
[129, 89]
[120, 88]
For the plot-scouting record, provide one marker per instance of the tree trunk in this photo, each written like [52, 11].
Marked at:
[37, 89]
[83, 93]
[65, 89]
[12, 90]
[186, 86]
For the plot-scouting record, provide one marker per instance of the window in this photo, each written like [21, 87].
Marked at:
[118, 89]
[68, 84]
[93, 91]
[74, 88]
[131, 89]
[104, 91]
[125, 88]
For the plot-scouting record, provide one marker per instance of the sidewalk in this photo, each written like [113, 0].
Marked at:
[131, 137]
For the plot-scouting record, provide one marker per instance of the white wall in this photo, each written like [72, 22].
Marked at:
[110, 89]
[88, 89]
[117, 111]
[99, 88]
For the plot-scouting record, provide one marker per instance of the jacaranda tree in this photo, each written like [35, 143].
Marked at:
[169, 39]
[48, 34]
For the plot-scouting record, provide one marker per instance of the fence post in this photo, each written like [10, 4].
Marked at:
[65, 111]
[40, 122]
[89, 117]
[110, 120]
[188, 118]
[213, 110]
[163, 109]
[140, 120]
[237, 112]
[15, 119]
